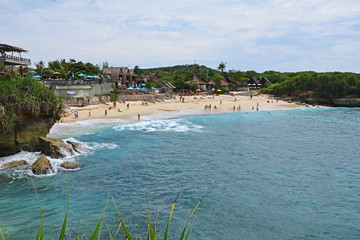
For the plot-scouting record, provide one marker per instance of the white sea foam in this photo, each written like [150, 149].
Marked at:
[66, 130]
[166, 125]
[31, 157]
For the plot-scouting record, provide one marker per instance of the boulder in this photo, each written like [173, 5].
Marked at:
[70, 165]
[42, 166]
[54, 148]
[15, 164]
[75, 146]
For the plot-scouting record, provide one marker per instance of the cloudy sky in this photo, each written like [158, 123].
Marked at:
[260, 35]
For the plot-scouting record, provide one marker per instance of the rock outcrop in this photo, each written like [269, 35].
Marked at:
[15, 164]
[70, 165]
[346, 102]
[54, 148]
[75, 145]
[25, 134]
[42, 166]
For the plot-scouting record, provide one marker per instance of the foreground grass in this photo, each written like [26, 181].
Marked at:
[152, 233]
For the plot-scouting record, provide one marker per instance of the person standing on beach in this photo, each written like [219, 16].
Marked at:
[105, 112]
[138, 117]
[89, 112]
[128, 106]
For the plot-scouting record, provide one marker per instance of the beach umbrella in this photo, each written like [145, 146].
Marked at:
[56, 73]
[129, 88]
[89, 76]
[219, 90]
[96, 76]
[143, 84]
[37, 76]
[137, 88]
[204, 89]
[81, 75]
[32, 72]
[143, 88]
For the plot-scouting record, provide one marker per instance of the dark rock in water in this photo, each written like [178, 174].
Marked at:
[70, 165]
[42, 166]
[75, 146]
[54, 147]
[15, 164]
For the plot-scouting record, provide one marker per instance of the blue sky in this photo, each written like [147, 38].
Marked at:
[260, 35]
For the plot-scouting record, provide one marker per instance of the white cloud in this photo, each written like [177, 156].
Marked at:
[285, 35]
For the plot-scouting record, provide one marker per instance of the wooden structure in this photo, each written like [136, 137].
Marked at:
[202, 85]
[255, 83]
[122, 76]
[10, 59]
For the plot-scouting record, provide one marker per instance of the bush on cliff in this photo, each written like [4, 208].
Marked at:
[25, 95]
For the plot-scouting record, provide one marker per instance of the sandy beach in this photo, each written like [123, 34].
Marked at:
[219, 104]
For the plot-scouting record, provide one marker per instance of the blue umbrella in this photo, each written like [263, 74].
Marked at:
[137, 88]
[204, 89]
[143, 88]
[143, 84]
[32, 72]
[89, 76]
[81, 75]
[96, 76]
[37, 76]
[130, 88]
[56, 73]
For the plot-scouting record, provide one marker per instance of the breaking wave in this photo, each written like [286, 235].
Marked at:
[167, 125]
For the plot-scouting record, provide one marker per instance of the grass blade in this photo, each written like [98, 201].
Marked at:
[2, 234]
[63, 229]
[93, 236]
[197, 205]
[125, 230]
[187, 235]
[150, 230]
[40, 232]
[171, 212]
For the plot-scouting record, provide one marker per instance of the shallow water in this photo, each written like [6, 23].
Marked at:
[291, 174]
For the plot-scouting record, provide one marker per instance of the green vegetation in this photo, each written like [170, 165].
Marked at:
[151, 229]
[24, 95]
[330, 84]
[113, 97]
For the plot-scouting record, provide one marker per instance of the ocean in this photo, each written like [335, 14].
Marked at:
[289, 174]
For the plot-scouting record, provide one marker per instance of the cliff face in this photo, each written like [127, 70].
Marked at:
[313, 98]
[25, 134]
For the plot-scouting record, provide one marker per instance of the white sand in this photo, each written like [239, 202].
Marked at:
[175, 105]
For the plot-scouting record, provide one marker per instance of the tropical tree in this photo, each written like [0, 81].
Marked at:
[40, 67]
[222, 67]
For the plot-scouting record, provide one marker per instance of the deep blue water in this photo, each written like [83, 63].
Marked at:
[291, 174]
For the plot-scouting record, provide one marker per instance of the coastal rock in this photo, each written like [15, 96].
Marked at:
[347, 102]
[42, 166]
[25, 135]
[75, 145]
[15, 164]
[54, 147]
[70, 165]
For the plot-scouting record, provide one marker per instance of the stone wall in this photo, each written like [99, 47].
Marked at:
[121, 97]
[83, 90]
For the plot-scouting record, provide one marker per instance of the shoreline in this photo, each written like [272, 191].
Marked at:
[137, 109]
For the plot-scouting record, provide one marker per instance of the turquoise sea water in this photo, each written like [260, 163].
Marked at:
[292, 174]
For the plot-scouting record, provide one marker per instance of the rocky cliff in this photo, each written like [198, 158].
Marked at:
[25, 133]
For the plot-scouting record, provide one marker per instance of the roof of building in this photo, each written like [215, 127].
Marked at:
[9, 48]
[223, 83]
[197, 81]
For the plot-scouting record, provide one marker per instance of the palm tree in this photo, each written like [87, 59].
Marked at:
[40, 67]
[222, 67]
